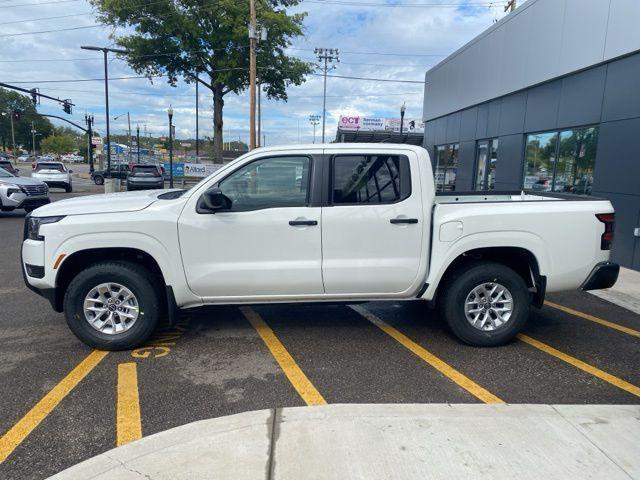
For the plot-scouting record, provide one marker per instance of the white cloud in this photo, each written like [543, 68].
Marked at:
[413, 32]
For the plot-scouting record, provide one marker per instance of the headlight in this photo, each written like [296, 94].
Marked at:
[32, 230]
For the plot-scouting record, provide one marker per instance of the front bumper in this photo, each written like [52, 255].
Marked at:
[22, 200]
[603, 275]
[32, 254]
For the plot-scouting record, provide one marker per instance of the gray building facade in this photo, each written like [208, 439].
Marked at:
[547, 99]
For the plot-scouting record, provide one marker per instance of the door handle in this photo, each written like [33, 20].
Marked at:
[397, 221]
[303, 223]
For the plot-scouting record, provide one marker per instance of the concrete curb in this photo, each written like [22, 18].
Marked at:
[404, 441]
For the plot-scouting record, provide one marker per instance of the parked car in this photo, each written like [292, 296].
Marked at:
[71, 158]
[8, 166]
[145, 177]
[26, 159]
[54, 174]
[21, 192]
[316, 223]
[119, 170]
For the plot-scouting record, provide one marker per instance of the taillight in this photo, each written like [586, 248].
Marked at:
[607, 237]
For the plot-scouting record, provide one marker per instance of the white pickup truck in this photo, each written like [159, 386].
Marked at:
[314, 223]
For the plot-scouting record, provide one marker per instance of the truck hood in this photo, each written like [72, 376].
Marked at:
[102, 203]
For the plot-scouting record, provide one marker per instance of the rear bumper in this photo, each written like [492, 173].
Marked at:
[57, 183]
[603, 275]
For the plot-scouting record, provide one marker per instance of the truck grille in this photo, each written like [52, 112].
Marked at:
[34, 190]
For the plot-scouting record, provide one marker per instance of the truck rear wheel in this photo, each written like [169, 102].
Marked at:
[98, 179]
[485, 304]
[112, 306]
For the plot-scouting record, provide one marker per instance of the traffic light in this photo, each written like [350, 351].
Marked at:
[34, 96]
[66, 106]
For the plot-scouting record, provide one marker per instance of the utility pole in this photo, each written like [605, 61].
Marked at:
[105, 51]
[13, 135]
[510, 6]
[197, 126]
[314, 120]
[252, 74]
[328, 56]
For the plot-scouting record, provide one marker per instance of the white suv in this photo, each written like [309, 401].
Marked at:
[54, 174]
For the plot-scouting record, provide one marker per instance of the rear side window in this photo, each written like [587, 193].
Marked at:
[370, 179]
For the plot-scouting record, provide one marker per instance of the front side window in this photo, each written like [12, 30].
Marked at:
[561, 161]
[370, 179]
[268, 183]
[446, 167]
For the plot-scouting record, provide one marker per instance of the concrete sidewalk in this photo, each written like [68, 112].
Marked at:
[625, 293]
[470, 441]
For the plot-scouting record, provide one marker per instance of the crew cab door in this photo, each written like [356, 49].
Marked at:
[267, 244]
[372, 228]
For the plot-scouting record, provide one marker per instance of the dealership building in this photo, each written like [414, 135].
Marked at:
[547, 99]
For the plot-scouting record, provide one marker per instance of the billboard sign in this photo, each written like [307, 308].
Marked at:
[200, 170]
[356, 123]
[178, 169]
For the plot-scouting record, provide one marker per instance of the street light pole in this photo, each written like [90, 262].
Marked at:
[403, 108]
[104, 51]
[170, 113]
[138, 140]
[33, 141]
[88, 119]
[314, 120]
[197, 125]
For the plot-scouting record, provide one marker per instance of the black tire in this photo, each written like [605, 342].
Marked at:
[460, 283]
[68, 188]
[133, 277]
[98, 179]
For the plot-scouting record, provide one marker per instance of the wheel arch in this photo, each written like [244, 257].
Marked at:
[81, 259]
[522, 260]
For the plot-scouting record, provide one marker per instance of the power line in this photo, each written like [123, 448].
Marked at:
[401, 5]
[392, 54]
[38, 4]
[46, 18]
[51, 31]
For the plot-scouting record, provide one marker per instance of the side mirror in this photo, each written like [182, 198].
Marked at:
[215, 201]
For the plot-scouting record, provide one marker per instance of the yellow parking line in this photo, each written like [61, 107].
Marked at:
[16, 435]
[294, 373]
[591, 318]
[128, 425]
[585, 367]
[444, 368]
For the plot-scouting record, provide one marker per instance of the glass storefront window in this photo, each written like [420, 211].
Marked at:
[486, 161]
[446, 167]
[561, 161]
[576, 161]
[540, 159]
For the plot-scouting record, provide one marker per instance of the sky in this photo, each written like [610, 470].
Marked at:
[383, 39]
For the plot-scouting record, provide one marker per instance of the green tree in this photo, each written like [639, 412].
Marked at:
[208, 40]
[10, 102]
[59, 144]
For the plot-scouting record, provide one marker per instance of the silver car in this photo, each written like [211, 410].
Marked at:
[21, 192]
[54, 174]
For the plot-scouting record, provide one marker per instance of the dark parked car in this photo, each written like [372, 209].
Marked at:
[8, 166]
[120, 171]
[143, 177]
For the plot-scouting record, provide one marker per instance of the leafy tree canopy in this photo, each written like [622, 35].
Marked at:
[10, 102]
[59, 144]
[209, 39]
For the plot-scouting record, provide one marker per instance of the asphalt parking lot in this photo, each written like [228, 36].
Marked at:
[62, 403]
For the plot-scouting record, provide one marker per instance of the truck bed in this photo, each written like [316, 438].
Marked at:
[507, 196]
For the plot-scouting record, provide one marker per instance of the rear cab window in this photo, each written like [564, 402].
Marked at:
[370, 179]
[145, 169]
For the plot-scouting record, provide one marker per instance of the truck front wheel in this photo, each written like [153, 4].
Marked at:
[485, 304]
[112, 306]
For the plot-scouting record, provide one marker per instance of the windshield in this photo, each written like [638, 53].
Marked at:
[50, 166]
[4, 173]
